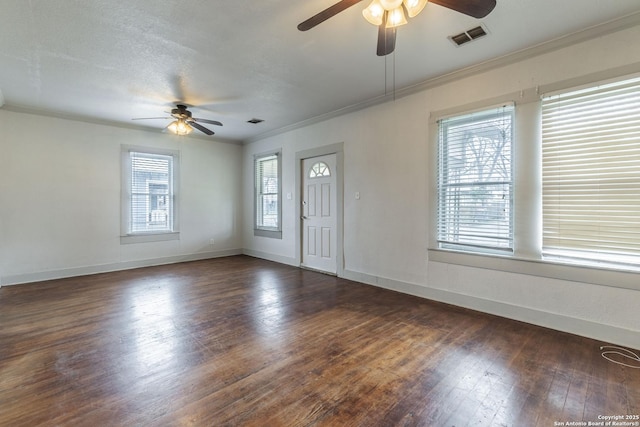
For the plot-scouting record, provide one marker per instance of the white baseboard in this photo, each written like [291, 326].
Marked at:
[105, 268]
[585, 328]
[271, 257]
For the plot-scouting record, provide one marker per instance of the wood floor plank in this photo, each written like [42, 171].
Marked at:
[240, 341]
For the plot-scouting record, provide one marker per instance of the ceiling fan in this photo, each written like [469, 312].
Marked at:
[389, 14]
[184, 122]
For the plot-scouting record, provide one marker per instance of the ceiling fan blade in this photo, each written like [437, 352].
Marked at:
[475, 8]
[212, 122]
[200, 128]
[386, 38]
[150, 118]
[326, 14]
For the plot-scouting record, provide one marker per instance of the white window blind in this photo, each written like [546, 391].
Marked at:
[475, 181]
[267, 193]
[591, 173]
[151, 193]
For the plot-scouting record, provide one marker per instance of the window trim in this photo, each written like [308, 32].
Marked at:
[126, 237]
[527, 258]
[472, 117]
[261, 231]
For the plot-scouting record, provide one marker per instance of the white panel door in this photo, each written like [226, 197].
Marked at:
[319, 220]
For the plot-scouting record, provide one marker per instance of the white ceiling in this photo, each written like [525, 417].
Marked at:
[114, 60]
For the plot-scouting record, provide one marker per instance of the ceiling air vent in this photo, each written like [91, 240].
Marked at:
[255, 121]
[469, 35]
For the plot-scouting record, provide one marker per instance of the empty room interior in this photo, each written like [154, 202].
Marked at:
[327, 213]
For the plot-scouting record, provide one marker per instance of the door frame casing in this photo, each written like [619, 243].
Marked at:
[336, 149]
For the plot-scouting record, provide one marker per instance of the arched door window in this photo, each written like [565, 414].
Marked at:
[319, 170]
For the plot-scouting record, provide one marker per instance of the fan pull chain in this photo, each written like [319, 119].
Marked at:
[385, 76]
[393, 76]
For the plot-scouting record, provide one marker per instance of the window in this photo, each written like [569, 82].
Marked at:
[475, 184]
[563, 201]
[268, 196]
[149, 210]
[319, 170]
[591, 174]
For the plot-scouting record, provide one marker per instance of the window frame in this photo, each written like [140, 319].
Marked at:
[443, 184]
[127, 236]
[261, 230]
[527, 257]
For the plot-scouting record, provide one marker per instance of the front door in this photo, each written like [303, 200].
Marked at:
[319, 218]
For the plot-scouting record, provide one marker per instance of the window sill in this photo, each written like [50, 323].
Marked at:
[543, 268]
[274, 234]
[149, 238]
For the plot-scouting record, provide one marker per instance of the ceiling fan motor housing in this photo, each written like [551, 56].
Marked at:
[181, 112]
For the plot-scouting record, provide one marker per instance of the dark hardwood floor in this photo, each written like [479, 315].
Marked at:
[244, 342]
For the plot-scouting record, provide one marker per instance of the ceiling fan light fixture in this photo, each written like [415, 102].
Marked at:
[180, 127]
[374, 13]
[396, 18]
[390, 4]
[414, 7]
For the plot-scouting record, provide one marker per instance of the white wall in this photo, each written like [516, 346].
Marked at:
[386, 232]
[60, 198]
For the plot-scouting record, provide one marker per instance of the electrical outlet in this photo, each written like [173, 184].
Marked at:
[211, 241]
